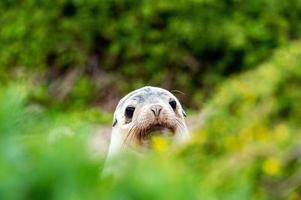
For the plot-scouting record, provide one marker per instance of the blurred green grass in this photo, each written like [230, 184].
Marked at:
[248, 147]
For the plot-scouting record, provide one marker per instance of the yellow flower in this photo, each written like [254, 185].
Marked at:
[271, 166]
[159, 143]
[261, 134]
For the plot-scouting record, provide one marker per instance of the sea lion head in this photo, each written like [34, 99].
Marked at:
[146, 112]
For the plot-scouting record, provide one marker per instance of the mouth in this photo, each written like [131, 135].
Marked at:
[157, 130]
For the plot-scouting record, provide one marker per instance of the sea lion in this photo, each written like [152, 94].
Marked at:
[144, 112]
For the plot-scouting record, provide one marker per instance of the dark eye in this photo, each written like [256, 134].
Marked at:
[173, 104]
[129, 111]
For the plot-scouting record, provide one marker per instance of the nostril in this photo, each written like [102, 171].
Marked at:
[153, 111]
[159, 110]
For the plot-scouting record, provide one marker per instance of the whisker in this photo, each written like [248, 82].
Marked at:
[177, 91]
[129, 134]
[181, 125]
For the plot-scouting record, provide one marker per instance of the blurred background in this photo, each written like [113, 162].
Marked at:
[92, 52]
[234, 64]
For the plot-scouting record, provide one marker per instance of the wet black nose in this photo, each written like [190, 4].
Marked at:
[156, 109]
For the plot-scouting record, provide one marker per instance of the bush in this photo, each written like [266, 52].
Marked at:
[189, 45]
[251, 136]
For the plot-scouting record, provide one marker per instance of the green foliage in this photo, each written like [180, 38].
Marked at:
[259, 99]
[188, 45]
[41, 158]
[252, 132]
[248, 148]
[79, 52]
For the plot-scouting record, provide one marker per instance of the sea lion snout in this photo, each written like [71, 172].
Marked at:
[156, 109]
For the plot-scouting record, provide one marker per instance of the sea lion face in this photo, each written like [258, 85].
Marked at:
[144, 113]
